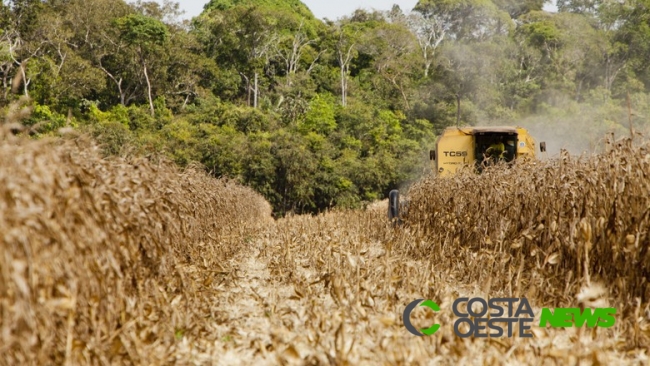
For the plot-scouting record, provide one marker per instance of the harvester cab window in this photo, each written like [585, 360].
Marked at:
[495, 147]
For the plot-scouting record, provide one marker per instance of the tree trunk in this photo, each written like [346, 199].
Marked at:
[401, 90]
[255, 96]
[146, 76]
[458, 111]
[344, 63]
[579, 90]
[629, 116]
[122, 93]
[117, 82]
[344, 87]
[25, 81]
[187, 99]
[5, 85]
[248, 89]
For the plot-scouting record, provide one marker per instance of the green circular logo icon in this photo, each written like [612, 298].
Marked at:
[406, 317]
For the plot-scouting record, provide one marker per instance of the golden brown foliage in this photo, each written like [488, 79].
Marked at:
[570, 220]
[98, 256]
[548, 227]
[336, 285]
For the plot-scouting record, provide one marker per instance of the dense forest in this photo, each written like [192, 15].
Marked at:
[315, 114]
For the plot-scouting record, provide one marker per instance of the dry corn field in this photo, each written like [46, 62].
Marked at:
[125, 261]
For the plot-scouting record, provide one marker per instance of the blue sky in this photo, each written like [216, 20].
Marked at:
[331, 9]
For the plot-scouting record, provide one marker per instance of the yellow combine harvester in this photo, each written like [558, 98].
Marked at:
[477, 147]
[458, 147]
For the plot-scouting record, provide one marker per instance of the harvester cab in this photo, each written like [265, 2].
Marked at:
[494, 147]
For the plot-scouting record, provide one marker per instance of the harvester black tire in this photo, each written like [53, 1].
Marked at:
[393, 205]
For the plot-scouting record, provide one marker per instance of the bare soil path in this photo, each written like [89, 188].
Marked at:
[329, 290]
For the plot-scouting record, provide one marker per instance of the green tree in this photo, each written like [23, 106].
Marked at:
[393, 50]
[466, 19]
[430, 31]
[630, 46]
[517, 8]
[579, 6]
[571, 48]
[147, 36]
[320, 116]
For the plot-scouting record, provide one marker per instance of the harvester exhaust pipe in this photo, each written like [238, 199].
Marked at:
[393, 205]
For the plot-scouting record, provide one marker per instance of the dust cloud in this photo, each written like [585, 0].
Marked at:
[579, 134]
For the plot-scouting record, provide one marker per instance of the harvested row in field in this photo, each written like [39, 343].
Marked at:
[337, 284]
[109, 261]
